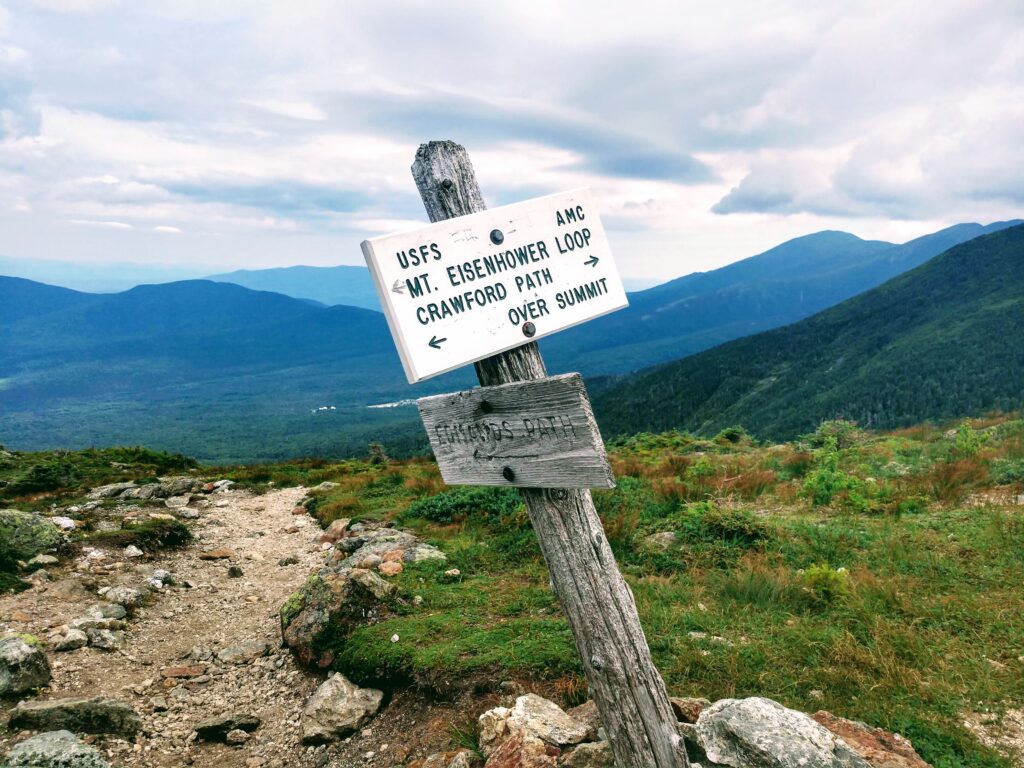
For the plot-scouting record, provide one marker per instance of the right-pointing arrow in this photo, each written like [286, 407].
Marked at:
[436, 342]
[592, 261]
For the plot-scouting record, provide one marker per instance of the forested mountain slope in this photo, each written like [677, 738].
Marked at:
[940, 341]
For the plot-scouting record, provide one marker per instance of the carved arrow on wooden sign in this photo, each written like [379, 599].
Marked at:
[531, 434]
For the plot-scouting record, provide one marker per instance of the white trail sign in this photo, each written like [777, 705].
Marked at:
[458, 291]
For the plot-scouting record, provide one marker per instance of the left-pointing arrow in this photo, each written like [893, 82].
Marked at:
[436, 342]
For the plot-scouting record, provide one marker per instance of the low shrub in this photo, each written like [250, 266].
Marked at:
[463, 502]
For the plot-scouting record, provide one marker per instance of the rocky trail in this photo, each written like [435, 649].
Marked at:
[206, 645]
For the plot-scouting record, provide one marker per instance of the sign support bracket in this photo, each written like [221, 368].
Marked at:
[624, 683]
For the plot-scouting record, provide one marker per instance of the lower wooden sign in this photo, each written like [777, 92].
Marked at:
[530, 434]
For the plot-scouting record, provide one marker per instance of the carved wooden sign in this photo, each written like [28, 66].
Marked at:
[533, 434]
[461, 290]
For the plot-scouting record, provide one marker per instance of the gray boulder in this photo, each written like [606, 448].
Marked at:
[110, 491]
[71, 640]
[761, 733]
[78, 714]
[26, 534]
[22, 667]
[338, 708]
[56, 749]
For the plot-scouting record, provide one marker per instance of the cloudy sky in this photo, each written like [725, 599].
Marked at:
[208, 134]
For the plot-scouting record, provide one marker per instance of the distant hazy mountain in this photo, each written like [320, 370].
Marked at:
[780, 286]
[93, 277]
[938, 342]
[352, 286]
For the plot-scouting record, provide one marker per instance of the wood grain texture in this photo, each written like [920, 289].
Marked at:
[532, 434]
[629, 693]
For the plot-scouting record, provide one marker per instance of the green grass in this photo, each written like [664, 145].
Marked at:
[63, 474]
[884, 602]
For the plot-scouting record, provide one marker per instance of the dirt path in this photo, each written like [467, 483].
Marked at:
[184, 626]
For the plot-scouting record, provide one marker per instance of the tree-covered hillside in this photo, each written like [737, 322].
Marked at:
[940, 341]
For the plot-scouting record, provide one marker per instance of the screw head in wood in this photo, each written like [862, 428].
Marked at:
[529, 329]
[497, 236]
[508, 474]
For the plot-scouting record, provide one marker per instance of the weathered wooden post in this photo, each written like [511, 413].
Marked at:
[629, 693]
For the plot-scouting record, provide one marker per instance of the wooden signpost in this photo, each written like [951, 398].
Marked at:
[537, 434]
[629, 693]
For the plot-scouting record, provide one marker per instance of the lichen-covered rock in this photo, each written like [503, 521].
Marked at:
[23, 667]
[78, 714]
[327, 608]
[591, 754]
[56, 749]
[761, 733]
[879, 748]
[535, 717]
[25, 534]
[338, 708]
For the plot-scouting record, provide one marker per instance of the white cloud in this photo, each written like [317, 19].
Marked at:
[294, 124]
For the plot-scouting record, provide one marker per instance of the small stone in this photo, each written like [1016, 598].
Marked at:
[235, 572]
[192, 670]
[105, 639]
[105, 611]
[390, 568]
[245, 653]
[44, 560]
[132, 551]
[216, 554]
[338, 708]
[688, 710]
[128, 597]
[299, 511]
[159, 704]
[594, 754]
[218, 728]
[395, 638]
[289, 560]
[393, 556]
[71, 640]
[236, 736]
[335, 532]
